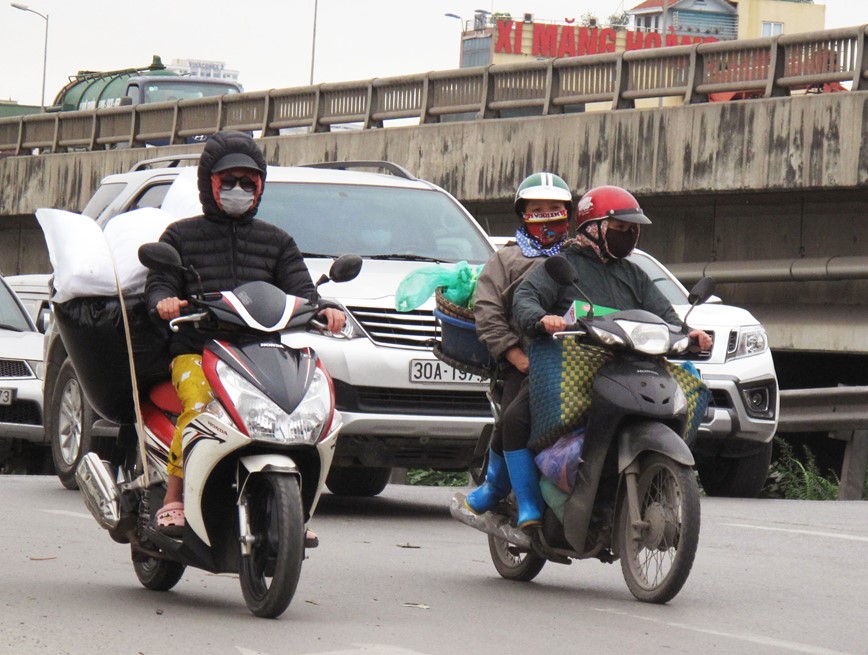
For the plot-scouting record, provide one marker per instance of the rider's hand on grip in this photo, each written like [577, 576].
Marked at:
[169, 308]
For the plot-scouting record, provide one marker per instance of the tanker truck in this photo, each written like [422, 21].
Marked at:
[132, 86]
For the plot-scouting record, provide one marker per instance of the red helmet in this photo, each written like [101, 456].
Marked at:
[609, 202]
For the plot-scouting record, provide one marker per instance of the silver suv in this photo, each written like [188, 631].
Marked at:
[401, 406]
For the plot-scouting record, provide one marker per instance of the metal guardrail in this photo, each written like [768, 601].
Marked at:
[764, 68]
[830, 409]
[842, 412]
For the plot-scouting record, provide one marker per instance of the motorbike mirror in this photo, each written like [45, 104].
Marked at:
[701, 291]
[345, 268]
[160, 257]
[560, 270]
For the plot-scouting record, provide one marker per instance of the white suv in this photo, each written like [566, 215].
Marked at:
[401, 406]
[734, 446]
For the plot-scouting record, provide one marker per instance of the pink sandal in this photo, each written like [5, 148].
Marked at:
[170, 519]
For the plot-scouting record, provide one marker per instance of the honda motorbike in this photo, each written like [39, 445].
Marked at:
[635, 497]
[255, 460]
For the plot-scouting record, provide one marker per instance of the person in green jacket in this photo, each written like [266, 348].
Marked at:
[608, 225]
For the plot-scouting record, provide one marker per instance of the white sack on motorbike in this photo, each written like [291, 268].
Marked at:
[81, 253]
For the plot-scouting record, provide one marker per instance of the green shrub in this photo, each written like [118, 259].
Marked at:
[429, 478]
[797, 478]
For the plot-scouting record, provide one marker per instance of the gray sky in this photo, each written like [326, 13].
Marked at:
[267, 41]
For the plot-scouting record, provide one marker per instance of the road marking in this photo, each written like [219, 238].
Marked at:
[753, 639]
[379, 649]
[63, 512]
[833, 535]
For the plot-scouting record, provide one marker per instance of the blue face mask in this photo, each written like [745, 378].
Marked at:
[236, 201]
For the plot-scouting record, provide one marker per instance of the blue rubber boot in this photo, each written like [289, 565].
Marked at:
[525, 482]
[495, 487]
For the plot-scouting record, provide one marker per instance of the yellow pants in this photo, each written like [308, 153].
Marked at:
[195, 393]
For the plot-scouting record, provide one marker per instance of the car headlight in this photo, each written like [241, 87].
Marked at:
[648, 338]
[751, 340]
[265, 420]
[37, 366]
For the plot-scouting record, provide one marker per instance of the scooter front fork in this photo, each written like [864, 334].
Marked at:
[638, 527]
[246, 538]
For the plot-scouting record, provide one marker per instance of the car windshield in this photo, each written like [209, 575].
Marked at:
[12, 317]
[376, 222]
[171, 89]
[660, 278]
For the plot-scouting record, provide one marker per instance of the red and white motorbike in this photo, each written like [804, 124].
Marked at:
[263, 447]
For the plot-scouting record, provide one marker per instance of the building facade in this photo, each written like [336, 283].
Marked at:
[501, 39]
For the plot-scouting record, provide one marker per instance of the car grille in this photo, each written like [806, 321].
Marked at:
[427, 402]
[23, 412]
[14, 368]
[389, 327]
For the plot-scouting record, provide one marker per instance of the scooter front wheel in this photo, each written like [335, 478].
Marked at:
[657, 554]
[269, 575]
[513, 563]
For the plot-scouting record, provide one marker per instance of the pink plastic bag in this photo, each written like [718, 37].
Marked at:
[560, 461]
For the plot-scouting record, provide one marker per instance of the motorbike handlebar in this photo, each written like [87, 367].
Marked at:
[186, 318]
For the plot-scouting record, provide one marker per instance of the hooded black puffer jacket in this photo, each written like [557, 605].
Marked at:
[226, 251]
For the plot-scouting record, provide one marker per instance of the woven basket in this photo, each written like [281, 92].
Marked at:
[450, 308]
[561, 375]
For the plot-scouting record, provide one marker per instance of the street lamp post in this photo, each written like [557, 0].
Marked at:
[45, 48]
[313, 42]
[457, 17]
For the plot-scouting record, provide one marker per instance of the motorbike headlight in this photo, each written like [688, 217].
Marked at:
[648, 338]
[265, 420]
[607, 337]
[751, 340]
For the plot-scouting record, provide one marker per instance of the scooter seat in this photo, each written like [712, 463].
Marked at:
[164, 396]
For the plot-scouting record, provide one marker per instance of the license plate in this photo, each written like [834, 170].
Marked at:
[433, 370]
[7, 396]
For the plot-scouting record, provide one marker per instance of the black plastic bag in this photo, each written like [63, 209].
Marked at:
[93, 334]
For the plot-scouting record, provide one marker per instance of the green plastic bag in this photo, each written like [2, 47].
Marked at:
[459, 282]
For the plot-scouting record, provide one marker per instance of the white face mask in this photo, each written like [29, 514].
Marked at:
[236, 201]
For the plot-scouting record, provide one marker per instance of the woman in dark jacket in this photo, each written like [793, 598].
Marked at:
[226, 246]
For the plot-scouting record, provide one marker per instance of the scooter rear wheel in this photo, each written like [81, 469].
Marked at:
[269, 575]
[658, 560]
[512, 563]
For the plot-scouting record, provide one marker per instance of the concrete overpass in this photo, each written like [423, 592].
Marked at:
[768, 193]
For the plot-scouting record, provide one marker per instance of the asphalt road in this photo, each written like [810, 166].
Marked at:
[395, 575]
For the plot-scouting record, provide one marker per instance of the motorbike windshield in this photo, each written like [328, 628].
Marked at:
[376, 222]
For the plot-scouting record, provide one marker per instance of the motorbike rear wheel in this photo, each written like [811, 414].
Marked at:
[269, 575]
[158, 574]
[512, 563]
[656, 563]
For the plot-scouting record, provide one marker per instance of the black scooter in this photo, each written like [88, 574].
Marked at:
[635, 497]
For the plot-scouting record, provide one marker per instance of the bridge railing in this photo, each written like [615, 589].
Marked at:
[756, 68]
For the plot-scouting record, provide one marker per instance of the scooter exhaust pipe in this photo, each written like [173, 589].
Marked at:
[99, 491]
[496, 525]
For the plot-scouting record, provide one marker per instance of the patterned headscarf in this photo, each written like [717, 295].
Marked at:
[531, 247]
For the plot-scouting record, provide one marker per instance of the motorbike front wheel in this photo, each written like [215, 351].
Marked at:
[269, 575]
[657, 557]
[512, 563]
